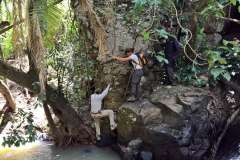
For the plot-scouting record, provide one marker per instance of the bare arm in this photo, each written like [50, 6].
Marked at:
[121, 59]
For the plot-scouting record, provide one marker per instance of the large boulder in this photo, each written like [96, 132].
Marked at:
[173, 122]
[132, 116]
[116, 74]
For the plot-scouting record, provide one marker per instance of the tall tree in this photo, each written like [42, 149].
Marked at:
[70, 127]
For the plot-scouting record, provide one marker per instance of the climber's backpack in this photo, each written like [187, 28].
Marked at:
[142, 59]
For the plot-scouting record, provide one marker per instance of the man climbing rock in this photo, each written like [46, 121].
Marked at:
[137, 72]
[97, 112]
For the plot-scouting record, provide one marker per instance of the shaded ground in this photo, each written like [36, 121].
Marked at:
[28, 104]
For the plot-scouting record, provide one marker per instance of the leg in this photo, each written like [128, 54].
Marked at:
[97, 127]
[138, 87]
[170, 74]
[138, 91]
[110, 115]
[170, 71]
[135, 84]
[133, 89]
[134, 81]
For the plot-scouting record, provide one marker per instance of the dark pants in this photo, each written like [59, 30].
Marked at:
[170, 68]
[135, 82]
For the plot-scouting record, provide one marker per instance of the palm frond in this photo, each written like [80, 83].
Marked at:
[50, 15]
[54, 16]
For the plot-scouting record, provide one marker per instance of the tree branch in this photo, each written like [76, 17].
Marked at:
[8, 108]
[10, 27]
[57, 101]
[14, 74]
[229, 19]
[10, 102]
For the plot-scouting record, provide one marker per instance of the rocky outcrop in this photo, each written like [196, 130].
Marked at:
[116, 74]
[174, 122]
[212, 29]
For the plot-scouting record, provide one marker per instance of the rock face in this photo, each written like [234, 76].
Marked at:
[116, 74]
[135, 115]
[173, 122]
[212, 28]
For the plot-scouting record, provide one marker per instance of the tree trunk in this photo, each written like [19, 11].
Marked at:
[72, 127]
[8, 108]
[85, 13]
[8, 96]
[17, 76]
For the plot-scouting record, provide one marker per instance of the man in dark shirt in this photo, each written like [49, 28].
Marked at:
[171, 51]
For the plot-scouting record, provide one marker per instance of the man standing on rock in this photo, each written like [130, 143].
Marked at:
[136, 74]
[171, 51]
[97, 113]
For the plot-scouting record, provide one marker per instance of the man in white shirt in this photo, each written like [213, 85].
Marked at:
[97, 113]
[137, 72]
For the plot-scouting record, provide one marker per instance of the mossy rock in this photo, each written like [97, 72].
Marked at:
[128, 122]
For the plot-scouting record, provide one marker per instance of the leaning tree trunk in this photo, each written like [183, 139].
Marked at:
[8, 108]
[72, 126]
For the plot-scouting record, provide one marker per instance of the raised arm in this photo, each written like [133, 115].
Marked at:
[105, 92]
[121, 59]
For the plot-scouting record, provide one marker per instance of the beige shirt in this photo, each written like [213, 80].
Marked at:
[96, 100]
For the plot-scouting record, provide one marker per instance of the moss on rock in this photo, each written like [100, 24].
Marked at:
[127, 121]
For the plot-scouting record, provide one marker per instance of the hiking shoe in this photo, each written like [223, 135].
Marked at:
[131, 99]
[113, 126]
[98, 137]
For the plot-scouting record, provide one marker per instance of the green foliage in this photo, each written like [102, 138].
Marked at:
[162, 33]
[217, 72]
[40, 8]
[142, 15]
[188, 74]
[220, 59]
[6, 44]
[50, 17]
[146, 36]
[234, 2]
[22, 130]
[73, 66]
[214, 57]
[141, 3]
[160, 57]
[224, 60]
[54, 14]
[6, 38]
[213, 9]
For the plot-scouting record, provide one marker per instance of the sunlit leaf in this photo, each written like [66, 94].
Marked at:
[146, 36]
[227, 76]
[234, 2]
[162, 33]
[216, 72]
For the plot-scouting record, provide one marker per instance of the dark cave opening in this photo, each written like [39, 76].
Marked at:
[231, 29]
